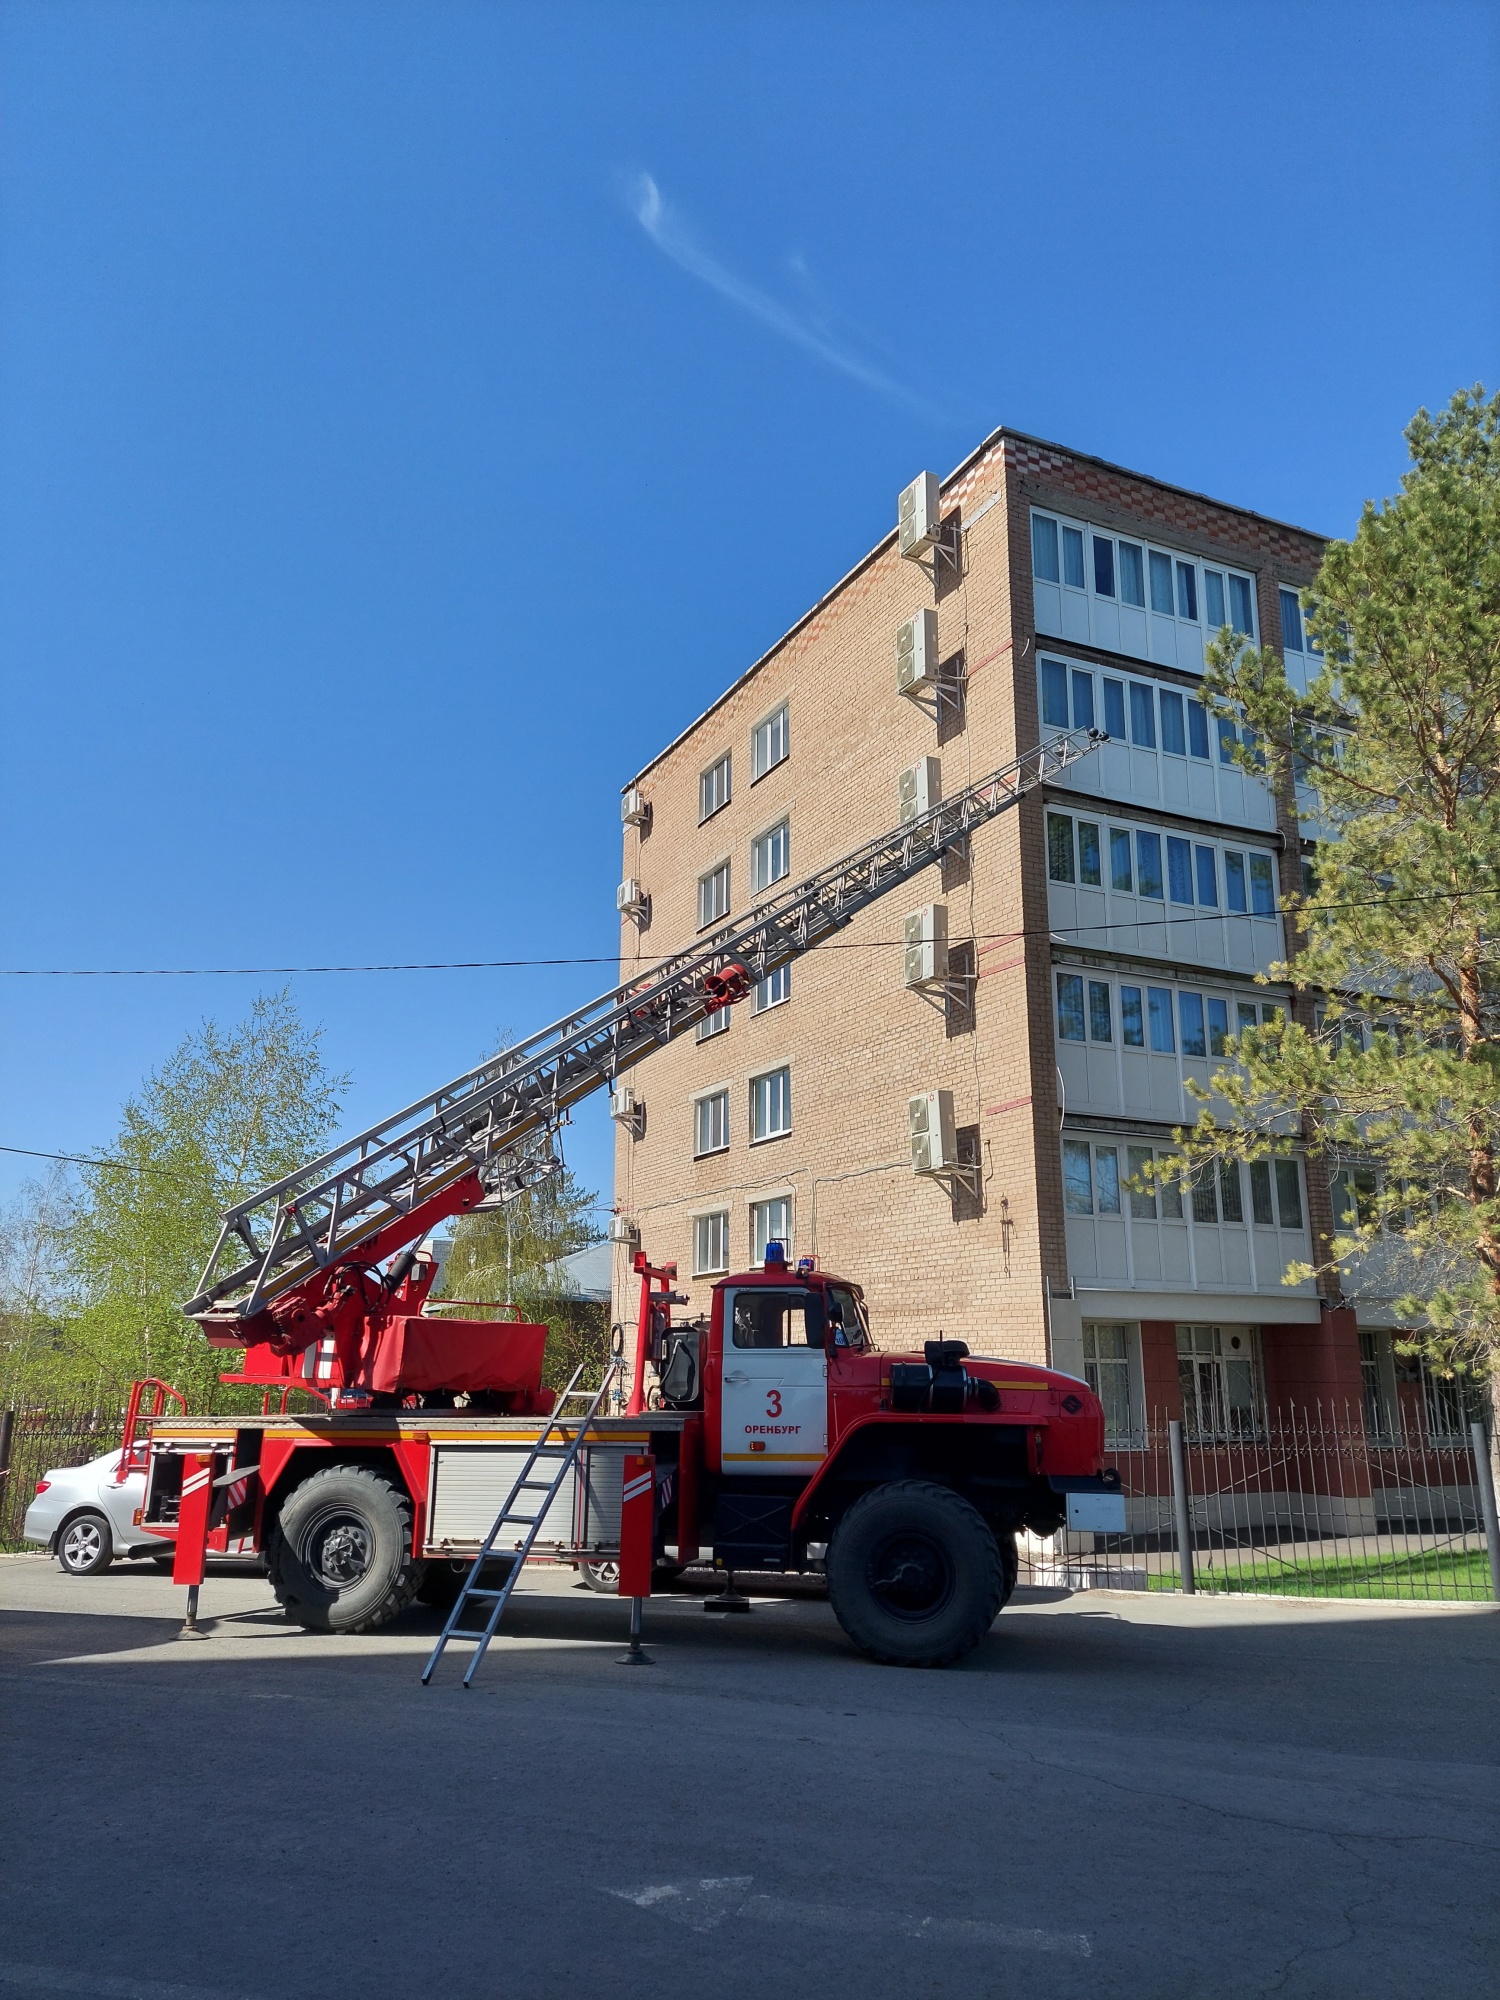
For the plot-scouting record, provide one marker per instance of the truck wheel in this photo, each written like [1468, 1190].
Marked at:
[914, 1575]
[85, 1547]
[340, 1559]
[603, 1576]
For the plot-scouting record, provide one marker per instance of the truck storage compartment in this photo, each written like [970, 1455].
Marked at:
[470, 1483]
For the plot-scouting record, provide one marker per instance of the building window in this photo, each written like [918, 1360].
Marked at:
[1090, 873]
[710, 1243]
[770, 856]
[1101, 1027]
[1060, 847]
[1289, 1194]
[1104, 567]
[1291, 621]
[711, 1123]
[1069, 1007]
[1179, 870]
[771, 1222]
[1190, 1024]
[1161, 584]
[713, 895]
[770, 1105]
[1242, 606]
[1078, 1177]
[1193, 874]
[770, 744]
[713, 789]
[772, 991]
[1216, 1370]
[1044, 549]
[716, 1023]
[1121, 876]
[1106, 1369]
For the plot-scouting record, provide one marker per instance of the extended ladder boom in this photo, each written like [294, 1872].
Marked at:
[492, 1121]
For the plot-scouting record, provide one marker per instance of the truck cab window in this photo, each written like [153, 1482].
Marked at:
[846, 1317]
[763, 1318]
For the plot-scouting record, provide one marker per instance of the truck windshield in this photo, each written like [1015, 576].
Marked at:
[847, 1318]
[763, 1318]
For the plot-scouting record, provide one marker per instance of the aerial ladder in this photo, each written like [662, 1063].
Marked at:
[487, 1135]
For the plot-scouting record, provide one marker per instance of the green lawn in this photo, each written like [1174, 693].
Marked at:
[1435, 1573]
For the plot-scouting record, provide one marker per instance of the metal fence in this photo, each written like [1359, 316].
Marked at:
[1312, 1504]
[33, 1442]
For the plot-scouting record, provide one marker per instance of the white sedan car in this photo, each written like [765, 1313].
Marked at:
[86, 1517]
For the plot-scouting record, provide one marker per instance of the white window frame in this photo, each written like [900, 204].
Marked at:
[1126, 1368]
[703, 1220]
[1148, 546]
[1207, 1339]
[716, 1023]
[712, 796]
[761, 1231]
[1107, 823]
[764, 996]
[719, 873]
[717, 1094]
[770, 742]
[777, 1099]
[767, 849]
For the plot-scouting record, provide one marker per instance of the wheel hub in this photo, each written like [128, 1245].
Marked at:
[339, 1552]
[911, 1575]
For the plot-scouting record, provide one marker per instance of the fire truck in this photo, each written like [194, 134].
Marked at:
[407, 1447]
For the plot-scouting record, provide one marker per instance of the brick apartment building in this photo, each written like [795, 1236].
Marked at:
[1101, 942]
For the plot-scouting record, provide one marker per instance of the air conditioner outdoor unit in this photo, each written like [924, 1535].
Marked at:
[934, 1150]
[631, 899]
[917, 654]
[918, 516]
[624, 1229]
[921, 788]
[624, 1105]
[925, 942]
[635, 807]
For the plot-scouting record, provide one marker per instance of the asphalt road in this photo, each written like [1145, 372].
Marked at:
[1114, 1796]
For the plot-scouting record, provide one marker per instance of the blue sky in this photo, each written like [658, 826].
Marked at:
[411, 416]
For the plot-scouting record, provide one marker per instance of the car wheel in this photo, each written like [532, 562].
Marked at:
[84, 1547]
[340, 1559]
[915, 1576]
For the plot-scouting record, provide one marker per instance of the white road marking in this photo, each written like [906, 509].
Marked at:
[712, 1900]
[100, 1986]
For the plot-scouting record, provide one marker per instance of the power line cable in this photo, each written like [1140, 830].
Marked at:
[643, 962]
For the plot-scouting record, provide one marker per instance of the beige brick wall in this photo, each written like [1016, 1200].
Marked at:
[857, 1042]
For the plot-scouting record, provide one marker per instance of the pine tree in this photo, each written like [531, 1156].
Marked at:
[1395, 754]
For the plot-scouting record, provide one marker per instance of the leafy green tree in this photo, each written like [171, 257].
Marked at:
[36, 1363]
[228, 1112]
[1391, 1073]
[510, 1255]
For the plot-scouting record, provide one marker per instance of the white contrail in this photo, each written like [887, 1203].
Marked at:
[673, 238]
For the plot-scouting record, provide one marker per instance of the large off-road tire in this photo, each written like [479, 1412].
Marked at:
[341, 1559]
[915, 1576]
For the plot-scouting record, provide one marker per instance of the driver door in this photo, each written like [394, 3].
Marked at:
[775, 1381]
